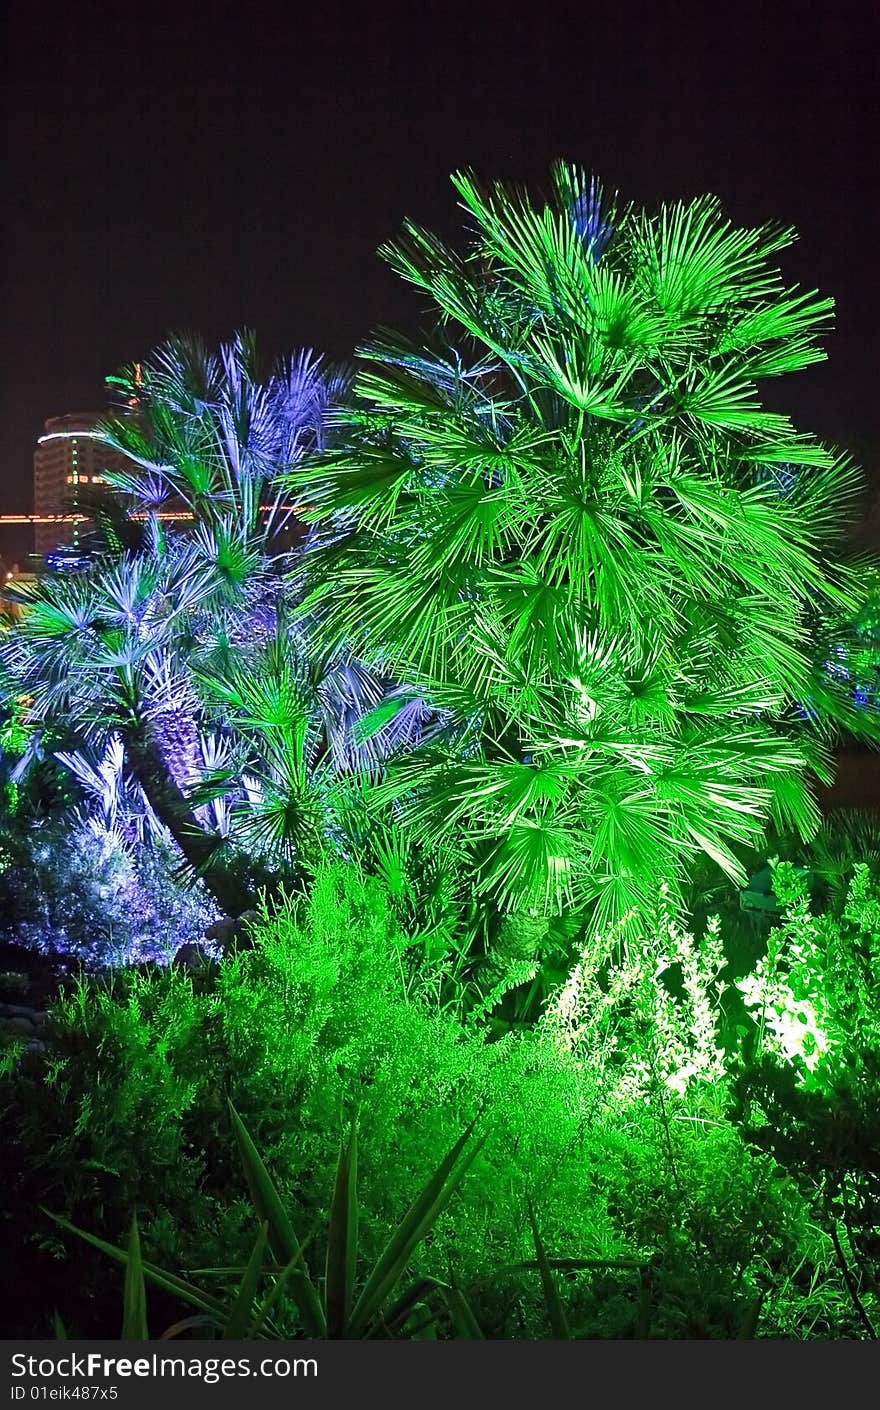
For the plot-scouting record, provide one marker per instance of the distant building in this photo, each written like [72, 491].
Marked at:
[67, 456]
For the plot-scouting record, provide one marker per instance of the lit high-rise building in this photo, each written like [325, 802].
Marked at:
[67, 457]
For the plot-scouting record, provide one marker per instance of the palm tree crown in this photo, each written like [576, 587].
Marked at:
[166, 649]
[572, 527]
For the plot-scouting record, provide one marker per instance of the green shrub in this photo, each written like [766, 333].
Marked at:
[808, 1092]
[649, 1021]
[83, 890]
[325, 1015]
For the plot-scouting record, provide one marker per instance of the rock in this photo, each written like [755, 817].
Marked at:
[232, 930]
[18, 1027]
[190, 956]
[36, 1016]
[221, 930]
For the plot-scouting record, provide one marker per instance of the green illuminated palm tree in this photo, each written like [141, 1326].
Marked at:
[571, 526]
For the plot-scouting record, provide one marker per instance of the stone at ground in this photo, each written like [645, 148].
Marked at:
[17, 1028]
[191, 956]
[36, 1016]
[13, 981]
[232, 930]
[30, 978]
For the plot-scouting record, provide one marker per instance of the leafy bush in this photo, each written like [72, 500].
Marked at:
[815, 993]
[69, 887]
[325, 1014]
[809, 1090]
[624, 1019]
[345, 1303]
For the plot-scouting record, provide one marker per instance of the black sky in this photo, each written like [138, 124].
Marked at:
[217, 165]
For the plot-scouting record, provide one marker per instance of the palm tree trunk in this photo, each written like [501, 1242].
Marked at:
[519, 939]
[199, 846]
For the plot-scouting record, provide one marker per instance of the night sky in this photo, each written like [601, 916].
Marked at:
[214, 166]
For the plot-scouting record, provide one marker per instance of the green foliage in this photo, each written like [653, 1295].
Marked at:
[426, 887]
[555, 1310]
[343, 1308]
[816, 992]
[134, 1300]
[325, 1012]
[15, 732]
[466, 1323]
[809, 1092]
[15, 739]
[649, 1016]
[571, 527]
[848, 838]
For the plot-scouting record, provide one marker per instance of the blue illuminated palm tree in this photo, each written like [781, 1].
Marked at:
[171, 647]
[208, 432]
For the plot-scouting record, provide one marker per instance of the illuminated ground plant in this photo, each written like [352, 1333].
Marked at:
[571, 526]
[626, 1024]
[808, 1092]
[624, 1146]
[814, 994]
